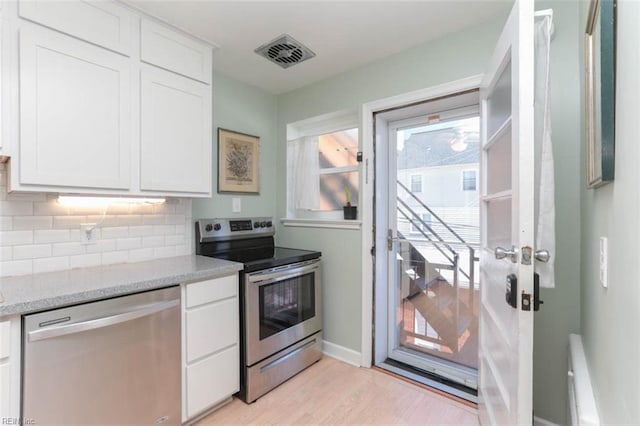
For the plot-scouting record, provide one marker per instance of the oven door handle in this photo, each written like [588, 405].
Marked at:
[269, 276]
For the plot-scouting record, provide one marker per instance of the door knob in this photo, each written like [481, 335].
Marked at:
[501, 253]
[542, 256]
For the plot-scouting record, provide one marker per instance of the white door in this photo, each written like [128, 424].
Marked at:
[176, 133]
[74, 112]
[507, 222]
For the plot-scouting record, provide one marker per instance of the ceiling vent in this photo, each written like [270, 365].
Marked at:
[285, 51]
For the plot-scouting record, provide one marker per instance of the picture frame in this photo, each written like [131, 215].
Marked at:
[238, 162]
[600, 71]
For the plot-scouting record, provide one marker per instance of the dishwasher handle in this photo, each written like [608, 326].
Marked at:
[62, 330]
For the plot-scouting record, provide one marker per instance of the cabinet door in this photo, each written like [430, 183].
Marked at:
[171, 50]
[212, 380]
[101, 22]
[176, 133]
[74, 112]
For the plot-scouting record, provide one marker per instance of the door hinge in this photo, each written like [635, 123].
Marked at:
[389, 239]
[527, 299]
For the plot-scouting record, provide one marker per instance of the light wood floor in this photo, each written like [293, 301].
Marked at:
[332, 392]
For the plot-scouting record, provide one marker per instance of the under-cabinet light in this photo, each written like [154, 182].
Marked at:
[84, 201]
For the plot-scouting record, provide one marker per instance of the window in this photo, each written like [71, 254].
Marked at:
[469, 180]
[416, 183]
[426, 222]
[322, 166]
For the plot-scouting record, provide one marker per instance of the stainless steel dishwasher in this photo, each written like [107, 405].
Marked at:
[111, 362]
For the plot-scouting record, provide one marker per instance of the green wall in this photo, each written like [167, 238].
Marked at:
[243, 108]
[610, 317]
[560, 314]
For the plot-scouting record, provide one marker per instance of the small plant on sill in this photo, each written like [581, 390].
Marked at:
[350, 212]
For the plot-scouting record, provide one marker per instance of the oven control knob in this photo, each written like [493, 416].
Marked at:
[269, 224]
[217, 227]
[256, 225]
[263, 224]
[208, 228]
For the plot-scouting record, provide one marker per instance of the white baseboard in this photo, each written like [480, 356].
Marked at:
[341, 353]
[538, 421]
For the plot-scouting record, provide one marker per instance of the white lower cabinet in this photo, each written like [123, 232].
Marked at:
[211, 359]
[10, 369]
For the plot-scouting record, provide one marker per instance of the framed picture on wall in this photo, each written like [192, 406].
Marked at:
[600, 57]
[238, 162]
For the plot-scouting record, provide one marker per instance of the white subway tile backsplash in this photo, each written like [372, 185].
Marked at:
[68, 221]
[175, 219]
[37, 234]
[16, 208]
[6, 223]
[140, 231]
[128, 243]
[16, 267]
[141, 255]
[31, 251]
[154, 241]
[164, 229]
[167, 251]
[68, 249]
[115, 232]
[153, 219]
[101, 246]
[49, 264]
[173, 240]
[51, 235]
[111, 257]
[85, 260]
[32, 222]
[6, 253]
[13, 238]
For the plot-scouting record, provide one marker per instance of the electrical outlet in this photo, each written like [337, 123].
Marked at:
[604, 262]
[88, 233]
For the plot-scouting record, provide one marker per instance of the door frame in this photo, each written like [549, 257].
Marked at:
[369, 219]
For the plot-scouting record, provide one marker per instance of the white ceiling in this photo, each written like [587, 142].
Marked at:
[343, 34]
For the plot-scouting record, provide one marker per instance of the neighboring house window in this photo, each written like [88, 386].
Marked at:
[416, 183]
[469, 180]
[321, 165]
[426, 222]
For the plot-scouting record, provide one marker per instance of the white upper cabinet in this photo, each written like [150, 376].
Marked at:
[175, 133]
[100, 99]
[175, 52]
[74, 112]
[100, 22]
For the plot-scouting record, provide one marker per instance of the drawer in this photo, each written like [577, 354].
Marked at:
[5, 339]
[212, 380]
[99, 22]
[208, 291]
[212, 327]
[171, 50]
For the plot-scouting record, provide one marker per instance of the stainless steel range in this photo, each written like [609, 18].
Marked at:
[280, 309]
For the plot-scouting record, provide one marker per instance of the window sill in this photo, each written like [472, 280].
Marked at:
[322, 223]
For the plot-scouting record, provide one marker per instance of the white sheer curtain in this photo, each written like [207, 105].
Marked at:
[303, 182]
[545, 194]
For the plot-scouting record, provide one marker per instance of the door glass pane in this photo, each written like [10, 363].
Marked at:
[499, 223]
[498, 173]
[499, 104]
[437, 283]
[286, 303]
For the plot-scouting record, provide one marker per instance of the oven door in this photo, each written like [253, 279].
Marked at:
[282, 306]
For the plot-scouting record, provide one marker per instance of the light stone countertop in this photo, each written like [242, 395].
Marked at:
[37, 292]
